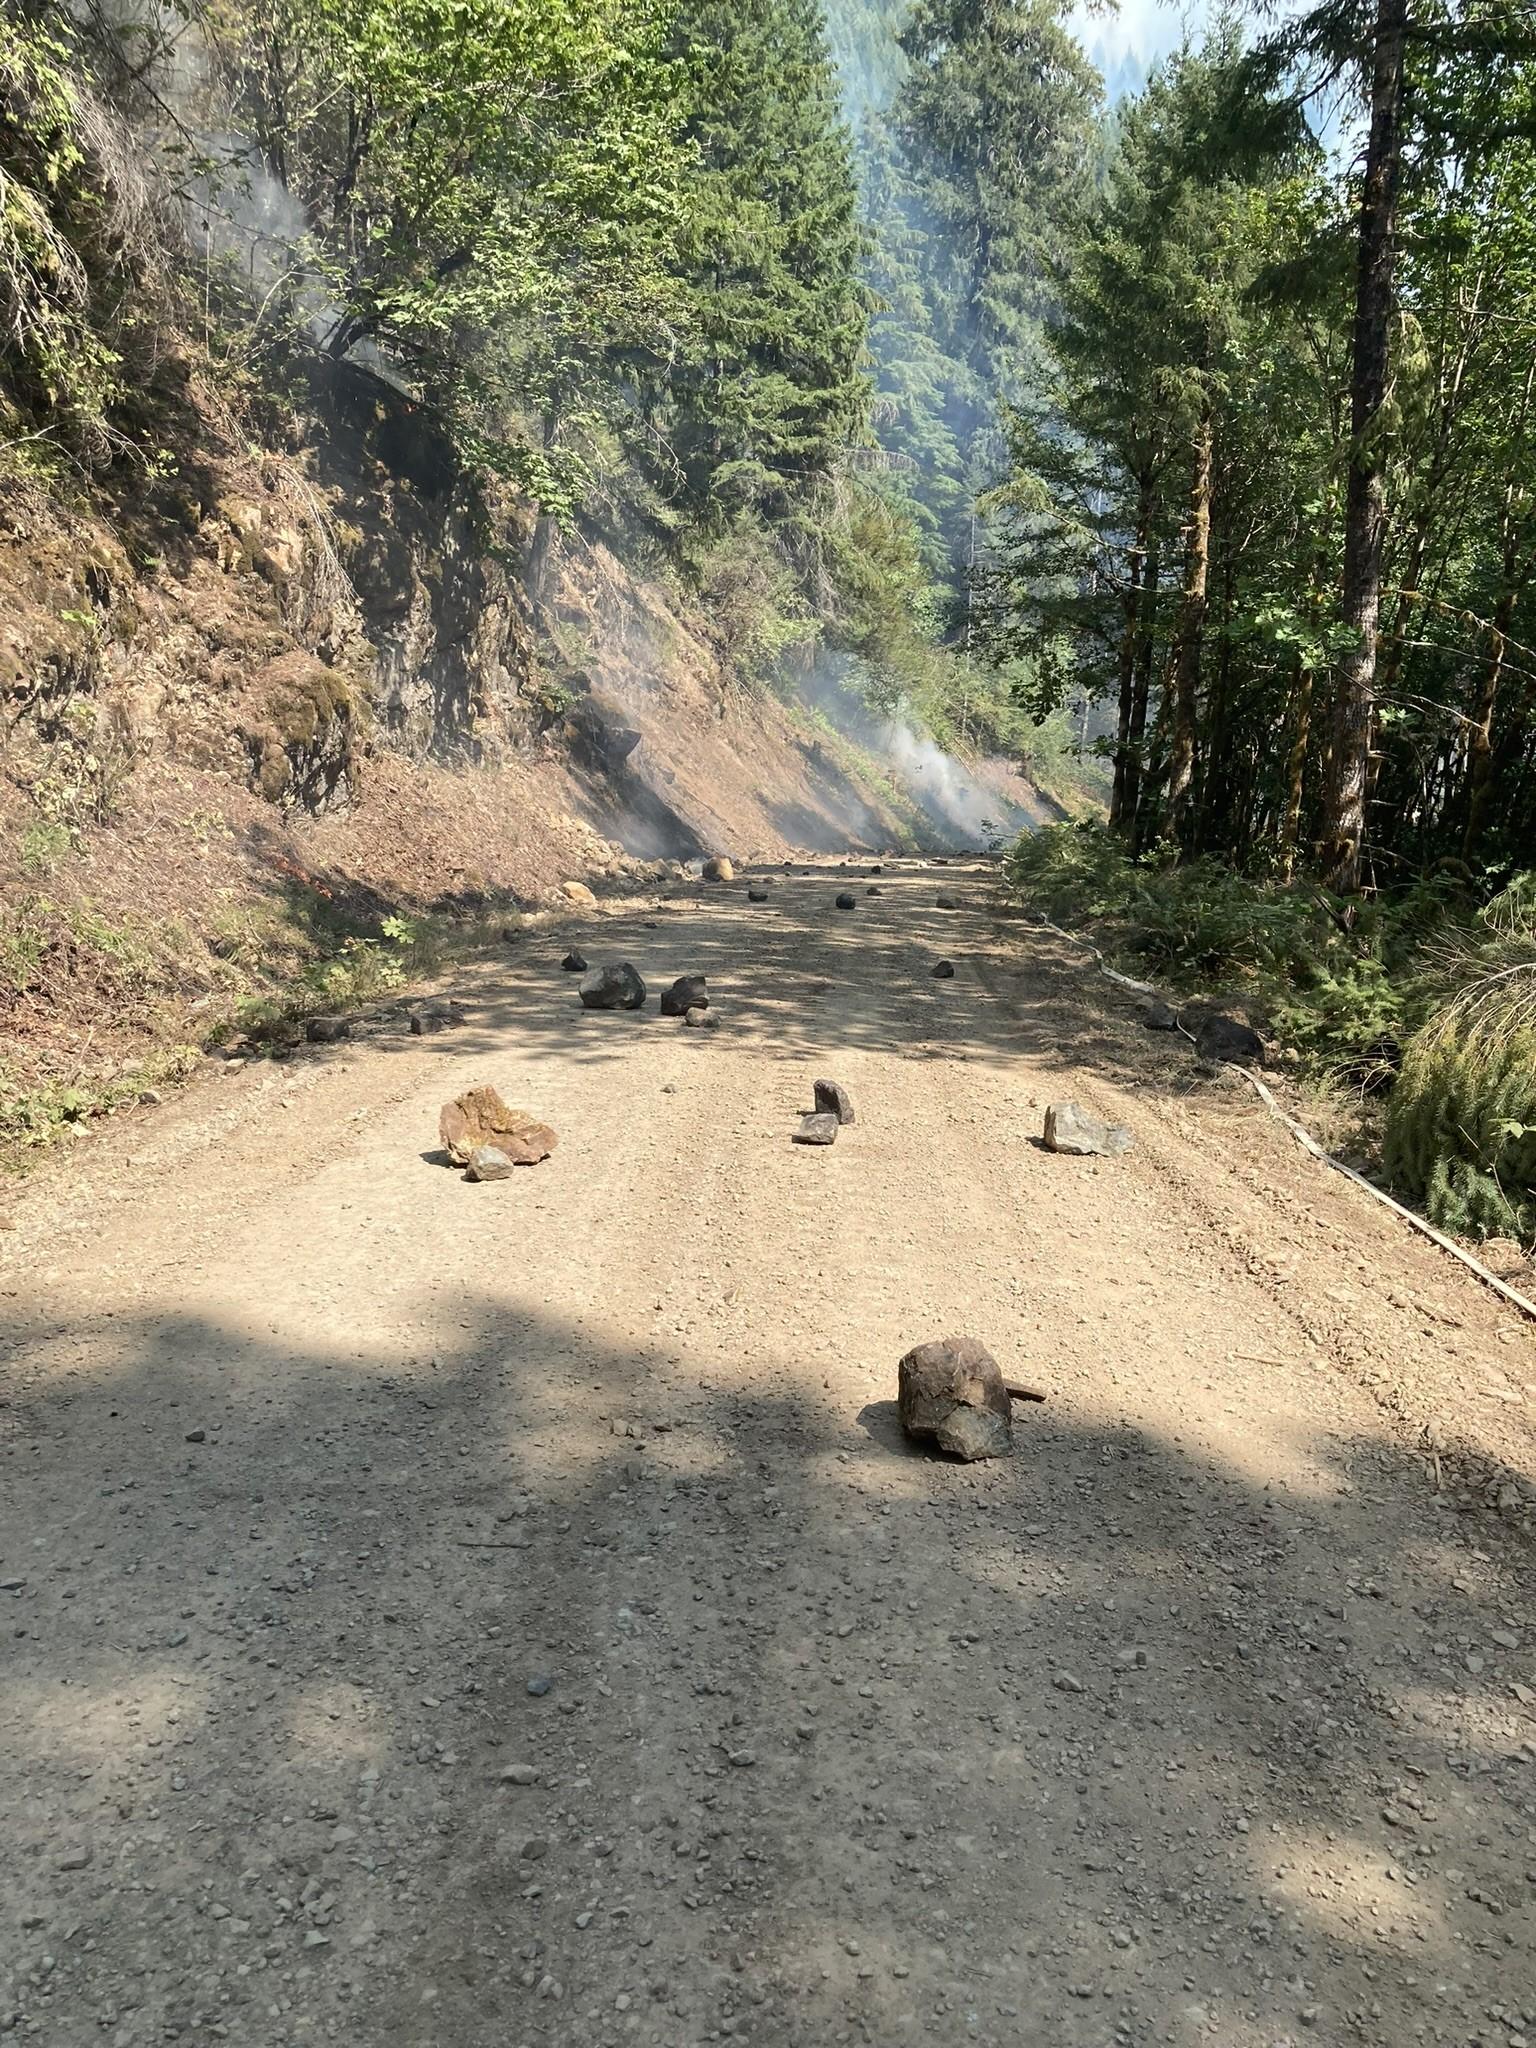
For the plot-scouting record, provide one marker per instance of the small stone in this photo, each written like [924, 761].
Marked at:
[1505, 1638]
[438, 1015]
[1156, 1015]
[518, 1774]
[574, 962]
[326, 1030]
[847, 900]
[197, 1436]
[1073, 1131]
[1229, 1039]
[741, 1759]
[757, 895]
[719, 869]
[873, 889]
[946, 902]
[833, 1099]
[540, 1685]
[944, 970]
[702, 1020]
[1065, 1682]
[534, 1850]
[820, 1129]
[612, 988]
[75, 1859]
[687, 993]
[577, 892]
[487, 1162]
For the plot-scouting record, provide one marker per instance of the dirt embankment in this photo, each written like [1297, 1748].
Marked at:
[267, 703]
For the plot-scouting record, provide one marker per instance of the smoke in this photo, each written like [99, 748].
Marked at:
[963, 812]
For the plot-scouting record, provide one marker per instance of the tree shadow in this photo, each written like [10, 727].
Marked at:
[1110, 1737]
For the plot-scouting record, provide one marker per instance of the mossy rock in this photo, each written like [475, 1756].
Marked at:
[303, 733]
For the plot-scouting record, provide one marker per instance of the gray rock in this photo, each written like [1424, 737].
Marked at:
[325, 1030]
[698, 1019]
[75, 1859]
[833, 1099]
[1156, 1015]
[953, 1391]
[847, 900]
[574, 962]
[519, 1774]
[757, 895]
[946, 902]
[820, 1129]
[1072, 1130]
[873, 889]
[487, 1163]
[612, 988]
[441, 1014]
[944, 970]
[540, 1685]
[686, 993]
[1229, 1038]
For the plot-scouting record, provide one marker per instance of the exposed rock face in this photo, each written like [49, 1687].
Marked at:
[953, 1392]
[612, 988]
[686, 993]
[1072, 1130]
[719, 869]
[479, 1120]
[833, 1099]
[1229, 1038]
[820, 1129]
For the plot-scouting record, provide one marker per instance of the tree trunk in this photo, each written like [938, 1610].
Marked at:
[1365, 506]
[1187, 637]
[1120, 813]
[1146, 648]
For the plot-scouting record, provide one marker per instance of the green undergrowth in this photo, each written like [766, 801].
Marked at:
[1416, 1011]
[249, 979]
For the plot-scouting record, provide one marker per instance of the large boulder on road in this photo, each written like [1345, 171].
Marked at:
[952, 1392]
[612, 988]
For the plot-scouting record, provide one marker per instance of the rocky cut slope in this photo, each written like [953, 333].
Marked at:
[277, 711]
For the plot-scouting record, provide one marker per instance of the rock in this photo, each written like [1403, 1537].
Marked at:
[719, 869]
[574, 962]
[686, 993]
[1072, 1130]
[539, 1685]
[952, 1391]
[820, 1129]
[519, 1774]
[324, 1031]
[946, 902]
[612, 988]
[75, 1859]
[440, 1014]
[1156, 1015]
[699, 1019]
[846, 901]
[833, 1099]
[1229, 1038]
[489, 1162]
[873, 889]
[578, 892]
[944, 970]
[510, 934]
[479, 1121]
[757, 895]
[197, 1436]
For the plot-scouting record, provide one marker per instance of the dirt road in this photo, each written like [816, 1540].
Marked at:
[481, 1617]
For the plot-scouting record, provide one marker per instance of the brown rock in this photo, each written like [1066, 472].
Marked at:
[952, 1391]
[481, 1120]
[577, 892]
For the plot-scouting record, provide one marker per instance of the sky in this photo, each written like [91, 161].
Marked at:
[1141, 29]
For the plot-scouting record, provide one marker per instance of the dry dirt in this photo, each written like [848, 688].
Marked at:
[485, 1617]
